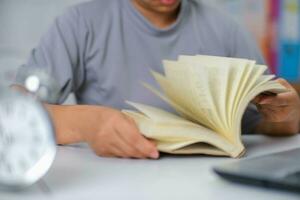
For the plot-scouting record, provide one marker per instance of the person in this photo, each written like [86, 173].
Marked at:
[101, 50]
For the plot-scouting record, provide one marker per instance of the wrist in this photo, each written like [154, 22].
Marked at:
[66, 122]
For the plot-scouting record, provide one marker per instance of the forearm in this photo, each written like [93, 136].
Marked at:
[278, 128]
[71, 123]
[108, 132]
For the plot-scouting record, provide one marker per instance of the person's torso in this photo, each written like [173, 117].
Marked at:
[123, 47]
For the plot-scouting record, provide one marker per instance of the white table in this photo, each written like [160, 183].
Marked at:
[79, 174]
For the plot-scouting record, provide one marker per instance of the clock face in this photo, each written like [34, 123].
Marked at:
[27, 144]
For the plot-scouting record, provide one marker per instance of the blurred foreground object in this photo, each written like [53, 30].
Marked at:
[27, 137]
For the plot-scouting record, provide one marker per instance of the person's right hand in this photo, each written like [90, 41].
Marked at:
[117, 135]
[109, 132]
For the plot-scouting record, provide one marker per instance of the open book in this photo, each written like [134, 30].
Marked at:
[210, 95]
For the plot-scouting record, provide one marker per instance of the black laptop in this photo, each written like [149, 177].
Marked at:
[278, 170]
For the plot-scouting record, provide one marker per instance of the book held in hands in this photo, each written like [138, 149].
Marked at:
[210, 95]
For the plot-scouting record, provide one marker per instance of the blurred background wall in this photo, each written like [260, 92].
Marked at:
[273, 23]
[22, 22]
[276, 26]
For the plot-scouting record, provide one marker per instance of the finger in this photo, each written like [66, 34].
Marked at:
[151, 147]
[123, 132]
[263, 95]
[284, 83]
[119, 151]
[273, 107]
[141, 144]
[279, 99]
[283, 99]
[148, 147]
[152, 141]
[257, 99]
[104, 153]
[268, 114]
[126, 148]
[135, 139]
[116, 152]
[276, 114]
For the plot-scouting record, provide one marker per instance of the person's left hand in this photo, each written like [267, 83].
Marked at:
[283, 107]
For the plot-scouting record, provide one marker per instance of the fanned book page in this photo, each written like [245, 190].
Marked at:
[210, 95]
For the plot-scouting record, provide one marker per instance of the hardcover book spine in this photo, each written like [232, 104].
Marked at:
[289, 40]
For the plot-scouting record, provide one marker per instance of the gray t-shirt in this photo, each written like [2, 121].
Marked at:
[102, 50]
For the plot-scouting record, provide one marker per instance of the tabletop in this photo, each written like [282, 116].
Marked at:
[77, 173]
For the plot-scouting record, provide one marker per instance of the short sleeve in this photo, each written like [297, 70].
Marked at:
[60, 53]
[244, 46]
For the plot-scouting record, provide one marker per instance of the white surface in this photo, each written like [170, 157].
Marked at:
[79, 174]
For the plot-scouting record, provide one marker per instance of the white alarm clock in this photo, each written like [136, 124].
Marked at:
[27, 137]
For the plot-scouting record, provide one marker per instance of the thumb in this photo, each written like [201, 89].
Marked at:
[284, 83]
[256, 100]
